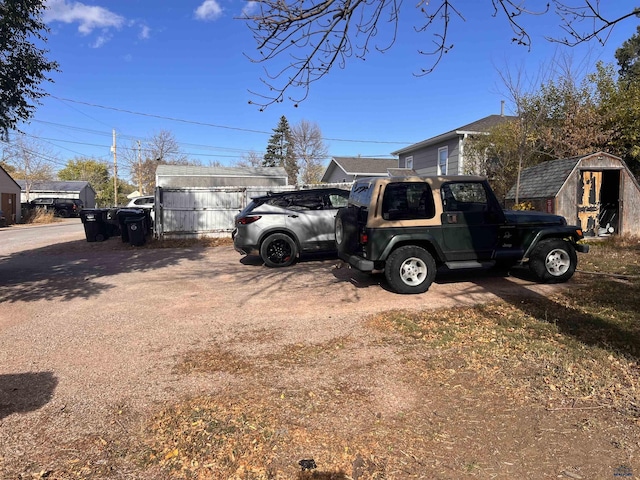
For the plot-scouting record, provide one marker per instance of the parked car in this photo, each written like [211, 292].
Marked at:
[280, 226]
[411, 226]
[146, 201]
[61, 207]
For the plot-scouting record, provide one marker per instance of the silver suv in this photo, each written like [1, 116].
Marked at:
[280, 226]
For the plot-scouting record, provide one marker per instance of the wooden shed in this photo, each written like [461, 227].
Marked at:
[76, 189]
[192, 201]
[597, 192]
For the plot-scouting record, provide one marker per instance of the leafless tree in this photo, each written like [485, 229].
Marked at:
[250, 159]
[33, 162]
[309, 149]
[315, 36]
[143, 157]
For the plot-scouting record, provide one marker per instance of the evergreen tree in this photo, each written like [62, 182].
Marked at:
[280, 151]
[628, 56]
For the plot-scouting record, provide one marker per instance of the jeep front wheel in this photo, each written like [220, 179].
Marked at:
[553, 261]
[410, 269]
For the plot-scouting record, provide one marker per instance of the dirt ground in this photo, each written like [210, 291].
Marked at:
[99, 340]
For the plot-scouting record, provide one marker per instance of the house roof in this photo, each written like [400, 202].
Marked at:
[189, 170]
[71, 186]
[360, 166]
[365, 166]
[479, 126]
[545, 179]
[9, 176]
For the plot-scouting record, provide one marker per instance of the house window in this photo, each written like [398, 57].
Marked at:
[408, 162]
[443, 160]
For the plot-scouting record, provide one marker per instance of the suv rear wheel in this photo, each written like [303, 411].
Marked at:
[410, 269]
[553, 261]
[278, 250]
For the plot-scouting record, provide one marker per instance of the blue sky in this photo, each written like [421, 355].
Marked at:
[186, 60]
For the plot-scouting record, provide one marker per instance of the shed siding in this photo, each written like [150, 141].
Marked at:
[630, 205]
[567, 199]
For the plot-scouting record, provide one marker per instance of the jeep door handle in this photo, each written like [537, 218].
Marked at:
[292, 216]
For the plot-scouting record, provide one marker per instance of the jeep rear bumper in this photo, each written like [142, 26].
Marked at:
[357, 262]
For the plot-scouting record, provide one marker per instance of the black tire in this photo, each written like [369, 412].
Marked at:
[553, 261]
[278, 250]
[410, 270]
[63, 213]
[346, 229]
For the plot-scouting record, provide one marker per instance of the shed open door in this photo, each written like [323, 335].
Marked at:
[589, 201]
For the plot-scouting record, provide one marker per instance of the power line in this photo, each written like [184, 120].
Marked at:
[194, 122]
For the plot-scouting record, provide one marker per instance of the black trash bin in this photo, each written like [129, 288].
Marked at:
[123, 214]
[136, 229]
[95, 224]
[113, 224]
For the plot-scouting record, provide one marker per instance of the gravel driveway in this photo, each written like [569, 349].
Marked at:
[87, 329]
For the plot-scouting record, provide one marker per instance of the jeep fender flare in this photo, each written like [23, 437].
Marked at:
[412, 239]
[554, 232]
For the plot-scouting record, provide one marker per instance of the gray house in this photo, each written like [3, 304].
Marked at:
[348, 169]
[444, 153]
[9, 197]
[597, 192]
[60, 189]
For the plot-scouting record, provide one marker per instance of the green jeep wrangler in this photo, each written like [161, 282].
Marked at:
[411, 226]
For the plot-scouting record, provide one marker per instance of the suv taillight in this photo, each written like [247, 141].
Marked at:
[249, 219]
[364, 238]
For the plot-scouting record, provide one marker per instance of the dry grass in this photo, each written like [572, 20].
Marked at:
[39, 216]
[485, 383]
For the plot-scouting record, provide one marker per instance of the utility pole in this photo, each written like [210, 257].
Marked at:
[115, 170]
[140, 169]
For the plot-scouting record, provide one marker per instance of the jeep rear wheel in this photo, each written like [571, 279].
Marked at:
[278, 250]
[553, 261]
[410, 269]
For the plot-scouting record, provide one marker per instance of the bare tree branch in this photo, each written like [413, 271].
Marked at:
[600, 28]
[311, 37]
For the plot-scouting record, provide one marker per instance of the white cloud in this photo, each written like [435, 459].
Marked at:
[145, 32]
[249, 8]
[101, 40]
[209, 10]
[88, 17]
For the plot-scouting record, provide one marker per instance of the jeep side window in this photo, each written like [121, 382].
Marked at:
[464, 197]
[407, 201]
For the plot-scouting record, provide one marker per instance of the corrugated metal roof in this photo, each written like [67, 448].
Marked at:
[194, 171]
[55, 186]
[363, 166]
[545, 179]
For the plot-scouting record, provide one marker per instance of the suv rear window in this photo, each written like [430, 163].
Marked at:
[408, 201]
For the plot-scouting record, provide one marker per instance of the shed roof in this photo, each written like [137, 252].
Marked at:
[70, 186]
[545, 179]
[195, 171]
